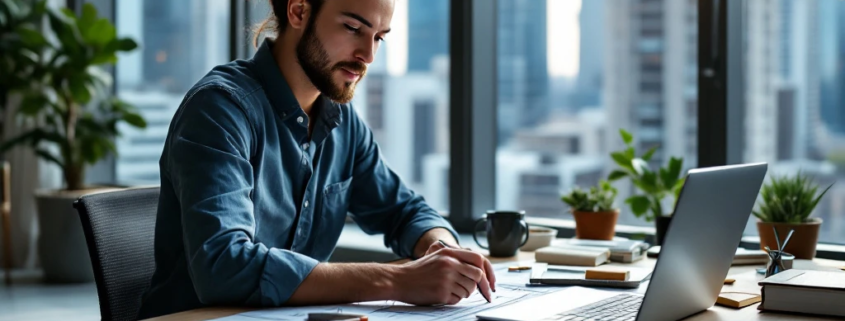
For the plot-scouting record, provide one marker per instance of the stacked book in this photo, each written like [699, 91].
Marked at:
[591, 252]
[810, 292]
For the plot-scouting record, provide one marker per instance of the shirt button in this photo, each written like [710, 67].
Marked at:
[305, 146]
[305, 204]
[300, 119]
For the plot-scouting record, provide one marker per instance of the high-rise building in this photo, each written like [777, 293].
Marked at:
[650, 75]
[798, 95]
[428, 32]
[762, 80]
[179, 43]
[523, 76]
[588, 85]
[832, 59]
[180, 39]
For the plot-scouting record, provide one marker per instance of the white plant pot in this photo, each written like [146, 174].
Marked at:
[61, 242]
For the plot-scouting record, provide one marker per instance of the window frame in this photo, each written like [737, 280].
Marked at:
[472, 50]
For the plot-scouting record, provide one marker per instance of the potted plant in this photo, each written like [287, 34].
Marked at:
[18, 20]
[595, 215]
[786, 204]
[656, 186]
[69, 98]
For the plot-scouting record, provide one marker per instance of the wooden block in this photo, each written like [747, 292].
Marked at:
[614, 275]
[730, 281]
[518, 268]
[738, 299]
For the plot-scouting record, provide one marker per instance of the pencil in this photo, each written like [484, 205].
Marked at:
[477, 284]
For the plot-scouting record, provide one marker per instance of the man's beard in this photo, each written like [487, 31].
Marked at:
[314, 60]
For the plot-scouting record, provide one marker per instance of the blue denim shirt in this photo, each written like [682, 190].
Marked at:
[250, 205]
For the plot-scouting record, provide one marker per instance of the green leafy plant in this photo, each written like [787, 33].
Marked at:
[67, 94]
[598, 199]
[654, 185]
[788, 199]
[19, 45]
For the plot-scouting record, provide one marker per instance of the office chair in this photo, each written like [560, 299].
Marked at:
[119, 229]
[5, 215]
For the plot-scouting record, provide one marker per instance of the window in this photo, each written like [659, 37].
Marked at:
[180, 41]
[794, 114]
[570, 75]
[405, 98]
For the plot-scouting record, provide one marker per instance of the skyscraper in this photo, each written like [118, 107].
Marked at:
[650, 75]
[832, 59]
[523, 80]
[428, 32]
[588, 86]
[798, 95]
[179, 43]
[762, 80]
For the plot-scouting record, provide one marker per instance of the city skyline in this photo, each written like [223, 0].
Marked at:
[639, 72]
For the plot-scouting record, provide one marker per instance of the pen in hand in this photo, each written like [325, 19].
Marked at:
[478, 285]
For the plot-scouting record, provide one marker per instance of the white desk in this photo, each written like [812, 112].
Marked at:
[746, 281]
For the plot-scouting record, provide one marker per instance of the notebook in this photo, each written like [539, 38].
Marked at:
[544, 274]
[800, 291]
[572, 255]
[621, 250]
[747, 257]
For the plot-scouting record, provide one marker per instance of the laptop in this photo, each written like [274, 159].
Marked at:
[710, 215]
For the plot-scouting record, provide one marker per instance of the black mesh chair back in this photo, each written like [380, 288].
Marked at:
[119, 229]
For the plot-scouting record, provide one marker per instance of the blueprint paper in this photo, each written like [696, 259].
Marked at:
[510, 287]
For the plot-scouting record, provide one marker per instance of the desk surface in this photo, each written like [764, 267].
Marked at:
[746, 281]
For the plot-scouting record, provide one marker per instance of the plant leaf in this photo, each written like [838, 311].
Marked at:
[31, 37]
[616, 175]
[649, 154]
[626, 136]
[134, 119]
[126, 44]
[89, 16]
[639, 204]
[49, 157]
[622, 160]
[79, 90]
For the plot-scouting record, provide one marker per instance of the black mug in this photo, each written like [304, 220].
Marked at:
[507, 231]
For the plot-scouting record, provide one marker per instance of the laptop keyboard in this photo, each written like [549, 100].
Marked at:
[619, 307]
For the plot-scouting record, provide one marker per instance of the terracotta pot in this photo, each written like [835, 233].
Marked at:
[595, 225]
[803, 241]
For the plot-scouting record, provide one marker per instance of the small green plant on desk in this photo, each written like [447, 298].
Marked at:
[785, 204]
[655, 186]
[594, 211]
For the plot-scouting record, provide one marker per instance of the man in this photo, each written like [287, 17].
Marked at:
[262, 162]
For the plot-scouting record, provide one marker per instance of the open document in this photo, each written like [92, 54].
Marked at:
[509, 289]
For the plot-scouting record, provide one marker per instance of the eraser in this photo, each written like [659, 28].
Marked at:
[613, 275]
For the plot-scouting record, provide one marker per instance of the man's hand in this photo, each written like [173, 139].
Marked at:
[444, 276]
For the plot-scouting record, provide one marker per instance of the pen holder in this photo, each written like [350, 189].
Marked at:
[779, 261]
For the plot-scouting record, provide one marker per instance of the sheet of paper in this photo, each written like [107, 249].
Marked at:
[510, 288]
[392, 310]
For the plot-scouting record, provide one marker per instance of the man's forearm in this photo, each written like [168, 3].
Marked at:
[432, 236]
[335, 283]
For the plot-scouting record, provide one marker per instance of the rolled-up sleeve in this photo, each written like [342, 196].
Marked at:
[382, 203]
[208, 163]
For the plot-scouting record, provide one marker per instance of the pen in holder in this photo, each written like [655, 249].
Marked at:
[779, 261]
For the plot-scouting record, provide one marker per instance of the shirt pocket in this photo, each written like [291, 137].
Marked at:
[332, 216]
[336, 199]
